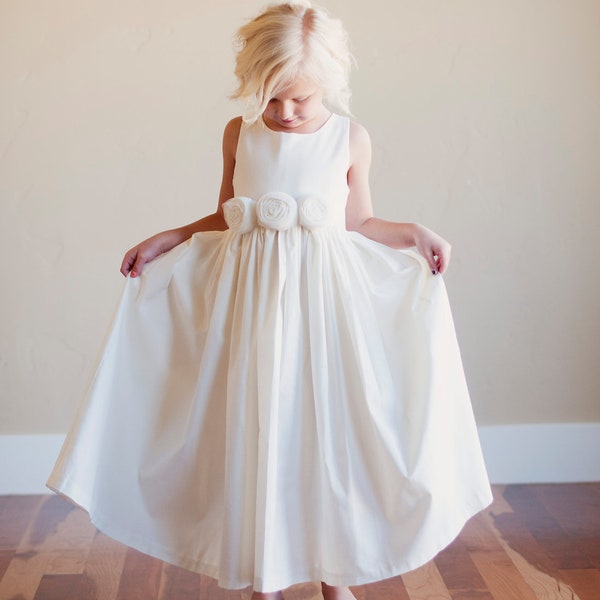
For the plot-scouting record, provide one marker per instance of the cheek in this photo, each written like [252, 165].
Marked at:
[270, 112]
[315, 103]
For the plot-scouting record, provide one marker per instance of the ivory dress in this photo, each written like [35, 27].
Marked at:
[283, 401]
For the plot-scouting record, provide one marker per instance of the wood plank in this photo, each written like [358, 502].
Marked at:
[477, 535]
[540, 523]
[104, 566]
[178, 584]
[70, 545]
[27, 567]
[53, 511]
[141, 577]
[458, 570]
[512, 532]
[585, 582]
[499, 505]
[49, 545]
[16, 513]
[572, 546]
[59, 587]
[502, 578]
[471, 595]
[303, 591]
[528, 558]
[544, 586]
[575, 507]
[23, 576]
[359, 591]
[572, 553]
[5, 557]
[426, 583]
[209, 589]
[388, 589]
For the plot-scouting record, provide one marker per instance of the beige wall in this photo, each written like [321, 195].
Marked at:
[485, 122]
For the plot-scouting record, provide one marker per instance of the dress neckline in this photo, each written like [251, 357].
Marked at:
[298, 133]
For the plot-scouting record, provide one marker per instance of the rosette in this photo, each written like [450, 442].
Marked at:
[277, 210]
[240, 214]
[312, 213]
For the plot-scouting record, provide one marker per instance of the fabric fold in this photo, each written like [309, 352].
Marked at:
[283, 401]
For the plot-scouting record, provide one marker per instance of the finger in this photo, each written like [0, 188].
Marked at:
[441, 265]
[128, 261]
[137, 267]
[443, 260]
[433, 261]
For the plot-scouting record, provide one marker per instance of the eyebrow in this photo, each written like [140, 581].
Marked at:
[297, 97]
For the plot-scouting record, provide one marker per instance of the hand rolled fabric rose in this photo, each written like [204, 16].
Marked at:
[274, 210]
[240, 214]
[277, 210]
[312, 213]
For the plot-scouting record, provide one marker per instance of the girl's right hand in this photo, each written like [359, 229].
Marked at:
[145, 252]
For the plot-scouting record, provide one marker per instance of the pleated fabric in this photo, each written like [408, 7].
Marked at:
[283, 401]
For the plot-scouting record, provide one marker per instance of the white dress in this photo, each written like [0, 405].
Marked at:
[283, 401]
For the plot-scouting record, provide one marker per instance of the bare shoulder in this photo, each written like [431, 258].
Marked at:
[231, 135]
[359, 132]
[233, 127]
[360, 142]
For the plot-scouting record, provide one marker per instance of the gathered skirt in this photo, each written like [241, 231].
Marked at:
[279, 407]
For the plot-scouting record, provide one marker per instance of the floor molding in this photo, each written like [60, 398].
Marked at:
[548, 453]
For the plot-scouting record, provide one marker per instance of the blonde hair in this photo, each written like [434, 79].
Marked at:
[288, 41]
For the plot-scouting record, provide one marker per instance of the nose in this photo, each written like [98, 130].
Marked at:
[286, 110]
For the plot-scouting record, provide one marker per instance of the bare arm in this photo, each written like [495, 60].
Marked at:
[359, 210]
[149, 249]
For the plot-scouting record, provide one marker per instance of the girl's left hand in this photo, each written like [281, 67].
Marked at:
[434, 248]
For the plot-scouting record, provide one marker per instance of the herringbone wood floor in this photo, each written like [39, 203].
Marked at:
[534, 542]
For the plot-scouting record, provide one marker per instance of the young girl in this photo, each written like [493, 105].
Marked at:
[281, 398]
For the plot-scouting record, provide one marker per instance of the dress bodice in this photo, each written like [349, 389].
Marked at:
[299, 164]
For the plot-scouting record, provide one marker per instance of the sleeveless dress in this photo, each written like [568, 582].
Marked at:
[283, 401]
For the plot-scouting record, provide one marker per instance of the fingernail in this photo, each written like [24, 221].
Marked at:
[433, 272]
[133, 274]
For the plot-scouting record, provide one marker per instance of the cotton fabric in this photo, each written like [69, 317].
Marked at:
[283, 401]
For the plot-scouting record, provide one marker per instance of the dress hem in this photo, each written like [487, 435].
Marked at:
[315, 574]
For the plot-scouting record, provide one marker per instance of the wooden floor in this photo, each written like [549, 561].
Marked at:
[535, 541]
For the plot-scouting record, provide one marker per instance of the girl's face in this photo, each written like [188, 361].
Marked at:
[297, 108]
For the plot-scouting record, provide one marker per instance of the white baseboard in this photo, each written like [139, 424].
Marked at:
[548, 453]
[26, 462]
[554, 453]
